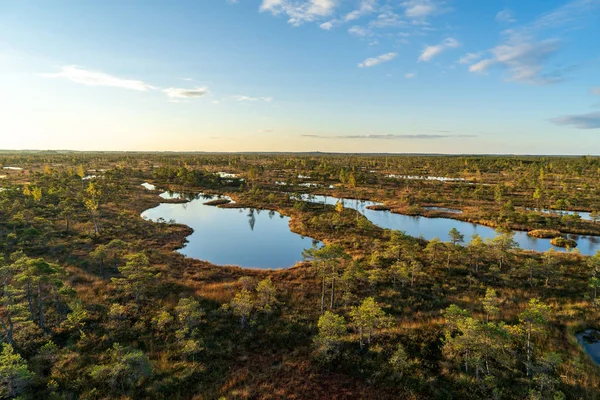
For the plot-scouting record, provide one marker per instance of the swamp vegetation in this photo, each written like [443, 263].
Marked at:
[96, 303]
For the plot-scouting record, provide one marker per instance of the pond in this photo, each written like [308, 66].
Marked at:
[245, 237]
[586, 216]
[425, 178]
[430, 228]
[226, 174]
[149, 186]
[590, 341]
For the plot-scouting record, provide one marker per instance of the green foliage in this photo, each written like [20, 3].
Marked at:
[265, 295]
[242, 305]
[399, 360]
[490, 304]
[139, 277]
[367, 318]
[332, 328]
[14, 374]
[122, 371]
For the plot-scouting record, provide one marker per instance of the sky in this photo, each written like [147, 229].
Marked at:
[394, 76]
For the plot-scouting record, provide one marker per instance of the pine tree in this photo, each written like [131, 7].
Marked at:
[14, 374]
[367, 318]
[139, 277]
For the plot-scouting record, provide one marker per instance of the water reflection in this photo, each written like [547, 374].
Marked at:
[590, 341]
[228, 236]
[429, 228]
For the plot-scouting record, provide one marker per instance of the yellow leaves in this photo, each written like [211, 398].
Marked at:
[35, 192]
[92, 201]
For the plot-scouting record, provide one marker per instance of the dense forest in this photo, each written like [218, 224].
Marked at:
[96, 303]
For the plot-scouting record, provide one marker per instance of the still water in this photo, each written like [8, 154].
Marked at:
[587, 216]
[233, 236]
[430, 228]
[590, 340]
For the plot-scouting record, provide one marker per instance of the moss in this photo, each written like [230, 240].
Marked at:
[563, 242]
[217, 202]
[544, 233]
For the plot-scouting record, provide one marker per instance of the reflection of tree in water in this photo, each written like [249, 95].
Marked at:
[251, 218]
[271, 214]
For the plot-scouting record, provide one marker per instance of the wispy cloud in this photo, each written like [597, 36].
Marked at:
[420, 9]
[389, 136]
[410, 75]
[373, 61]
[429, 52]
[365, 7]
[505, 16]
[94, 78]
[523, 58]
[595, 90]
[252, 99]
[299, 11]
[524, 55]
[327, 25]
[469, 58]
[387, 18]
[580, 121]
[180, 93]
[359, 31]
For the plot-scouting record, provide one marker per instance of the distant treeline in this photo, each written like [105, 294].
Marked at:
[190, 177]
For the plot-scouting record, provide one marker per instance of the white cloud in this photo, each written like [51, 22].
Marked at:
[175, 93]
[450, 42]
[366, 7]
[482, 66]
[387, 18]
[469, 58]
[371, 62]
[429, 52]
[93, 78]
[595, 90]
[252, 99]
[505, 16]
[410, 75]
[564, 15]
[359, 31]
[327, 25]
[523, 58]
[421, 9]
[299, 11]
[351, 16]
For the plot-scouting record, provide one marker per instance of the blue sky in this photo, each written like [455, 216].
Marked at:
[453, 76]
